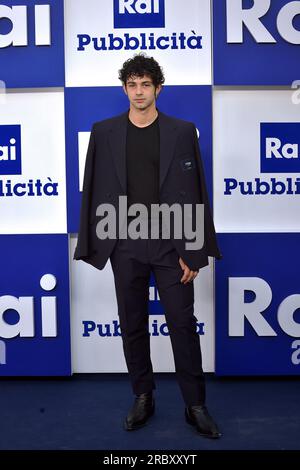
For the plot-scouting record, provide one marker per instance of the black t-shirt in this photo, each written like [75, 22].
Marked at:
[142, 161]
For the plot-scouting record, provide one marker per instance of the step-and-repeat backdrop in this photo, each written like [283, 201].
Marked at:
[232, 67]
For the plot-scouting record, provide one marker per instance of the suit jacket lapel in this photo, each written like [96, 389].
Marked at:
[117, 140]
[168, 136]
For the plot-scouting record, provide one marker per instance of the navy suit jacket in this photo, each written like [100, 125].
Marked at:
[181, 181]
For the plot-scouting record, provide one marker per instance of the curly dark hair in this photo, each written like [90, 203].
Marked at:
[140, 65]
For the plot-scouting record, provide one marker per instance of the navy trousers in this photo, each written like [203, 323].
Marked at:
[132, 262]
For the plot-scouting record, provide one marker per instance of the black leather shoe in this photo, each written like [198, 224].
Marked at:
[199, 417]
[141, 411]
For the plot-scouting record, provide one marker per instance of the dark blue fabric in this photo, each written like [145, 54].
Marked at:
[86, 411]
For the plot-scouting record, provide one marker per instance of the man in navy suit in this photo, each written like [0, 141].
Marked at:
[152, 159]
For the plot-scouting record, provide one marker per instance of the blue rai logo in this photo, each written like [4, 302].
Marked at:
[10, 150]
[139, 14]
[280, 147]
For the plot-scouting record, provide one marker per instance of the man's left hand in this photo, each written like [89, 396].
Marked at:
[188, 275]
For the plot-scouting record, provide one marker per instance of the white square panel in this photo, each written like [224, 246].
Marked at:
[237, 118]
[185, 40]
[35, 200]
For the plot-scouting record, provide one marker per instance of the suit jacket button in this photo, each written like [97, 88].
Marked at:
[108, 195]
[182, 193]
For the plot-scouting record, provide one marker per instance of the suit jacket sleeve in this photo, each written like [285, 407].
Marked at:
[210, 240]
[83, 249]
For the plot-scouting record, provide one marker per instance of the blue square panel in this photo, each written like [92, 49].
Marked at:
[256, 42]
[34, 306]
[84, 106]
[258, 304]
[32, 43]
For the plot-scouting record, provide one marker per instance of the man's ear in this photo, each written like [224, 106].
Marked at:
[158, 90]
[124, 89]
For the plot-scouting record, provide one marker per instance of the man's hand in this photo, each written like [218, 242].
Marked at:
[188, 275]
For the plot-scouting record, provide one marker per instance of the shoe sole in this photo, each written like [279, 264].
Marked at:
[128, 427]
[209, 436]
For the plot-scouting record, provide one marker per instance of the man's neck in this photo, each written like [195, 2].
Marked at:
[142, 118]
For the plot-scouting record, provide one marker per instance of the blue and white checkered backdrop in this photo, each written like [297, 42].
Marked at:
[232, 67]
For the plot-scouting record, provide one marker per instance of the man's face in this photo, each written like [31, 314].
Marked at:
[141, 92]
